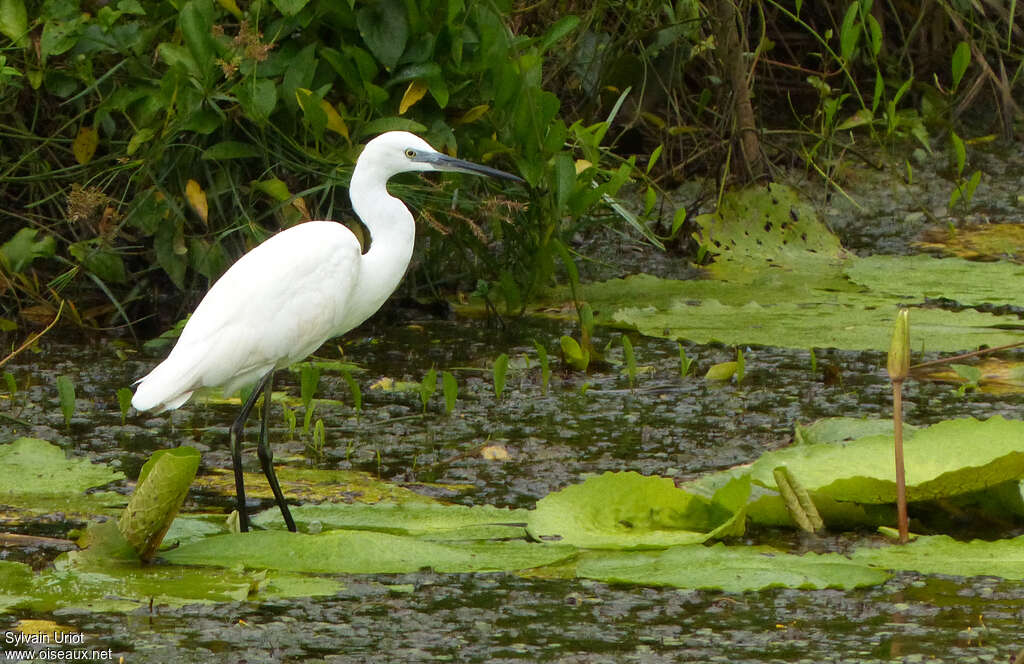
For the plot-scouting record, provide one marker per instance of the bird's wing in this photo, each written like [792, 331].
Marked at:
[274, 306]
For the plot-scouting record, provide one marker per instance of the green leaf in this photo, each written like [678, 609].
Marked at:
[66, 396]
[257, 98]
[53, 474]
[628, 510]
[944, 555]
[14, 21]
[731, 569]
[309, 378]
[960, 62]
[19, 252]
[558, 31]
[427, 387]
[959, 152]
[362, 552]
[290, 7]
[384, 27]
[161, 489]
[451, 391]
[947, 459]
[353, 387]
[105, 264]
[499, 371]
[427, 520]
[124, 402]
[196, 22]
[231, 150]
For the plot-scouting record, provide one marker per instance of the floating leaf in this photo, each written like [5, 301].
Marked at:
[628, 510]
[731, 569]
[362, 552]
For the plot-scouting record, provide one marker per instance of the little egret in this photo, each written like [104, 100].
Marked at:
[282, 300]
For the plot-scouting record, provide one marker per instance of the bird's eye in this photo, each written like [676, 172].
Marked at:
[410, 153]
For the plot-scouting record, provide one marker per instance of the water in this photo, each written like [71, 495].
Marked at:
[585, 424]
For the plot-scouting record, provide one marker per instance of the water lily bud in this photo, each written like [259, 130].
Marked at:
[899, 349]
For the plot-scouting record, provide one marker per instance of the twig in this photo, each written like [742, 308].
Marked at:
[947, 360]
[31, 340]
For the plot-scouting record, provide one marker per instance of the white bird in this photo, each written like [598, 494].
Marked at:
[285, 298]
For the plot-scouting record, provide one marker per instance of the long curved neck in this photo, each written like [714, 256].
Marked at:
[392, 235]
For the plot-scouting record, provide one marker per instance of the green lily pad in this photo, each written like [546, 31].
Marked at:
[415, 519]
[629, 510]
[39, 478]
[36, 468]
[108, 577]
[732, 569]
[362, 552]
[780, 278]
[944, 555]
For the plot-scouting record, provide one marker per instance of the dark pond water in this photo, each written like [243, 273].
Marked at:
[668, 426]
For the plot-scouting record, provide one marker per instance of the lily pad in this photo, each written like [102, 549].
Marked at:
[944, 555]
[108, 577]
[732, 569]
[854, 482]
[781, 278]
[35, 468]
[629, 510]
[39, 478]
[362, 552]
[415, 519]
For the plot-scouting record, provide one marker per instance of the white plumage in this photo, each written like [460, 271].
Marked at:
[282, 300]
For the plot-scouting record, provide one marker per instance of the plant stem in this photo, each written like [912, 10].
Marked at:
[901, 480]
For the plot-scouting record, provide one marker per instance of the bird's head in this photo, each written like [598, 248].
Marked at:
[399, 152]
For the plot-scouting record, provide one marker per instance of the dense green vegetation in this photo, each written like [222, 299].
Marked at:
[145, 145]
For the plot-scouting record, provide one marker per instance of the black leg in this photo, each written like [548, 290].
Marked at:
[266, 456]
[236, 433]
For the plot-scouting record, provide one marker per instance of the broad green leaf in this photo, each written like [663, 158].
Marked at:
[14, 21]
[101, 261]
[19, 252]
[731, 569]
[944, 555]
[290, 7]
[628, 510]
[163, 483]
[362, 552]
[59, 484]
[384, 27]
[427, 520]
[947, 459]
[106, 577]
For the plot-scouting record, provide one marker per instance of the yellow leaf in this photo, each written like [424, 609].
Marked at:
[334, 120]
[473, 114]
[197, 199]
[413, 94]
[84, 146]
[582, 165]
[231, 6]
[300, 205]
